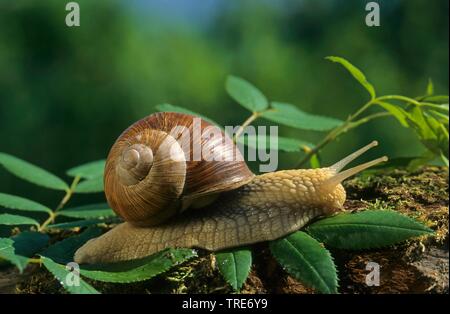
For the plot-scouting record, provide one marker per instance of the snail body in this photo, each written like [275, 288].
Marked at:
[235, 210]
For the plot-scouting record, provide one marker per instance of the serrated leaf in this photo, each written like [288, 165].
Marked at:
[89, 170]
[356, 73]
[64, 276]
[15, 220]
[31, 173]
[28, 243]
[20, 248]
[90, 186]
[306, 260]
[139, 269]
[245, 94]
[62, 252]
[234, 265]
[284, 144]
[20, 203]
[290, 115]
[366, 230]
[88, 211]
[172, 108]
[84, 223]
[398, 113]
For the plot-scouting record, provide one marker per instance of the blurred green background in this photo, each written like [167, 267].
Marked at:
[67, 93]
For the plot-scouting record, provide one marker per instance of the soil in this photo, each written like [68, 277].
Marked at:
[417, 266]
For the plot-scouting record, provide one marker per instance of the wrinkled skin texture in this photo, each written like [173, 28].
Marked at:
[269, 207]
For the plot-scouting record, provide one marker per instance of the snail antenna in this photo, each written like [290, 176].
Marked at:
[337, 167]
[345, 161]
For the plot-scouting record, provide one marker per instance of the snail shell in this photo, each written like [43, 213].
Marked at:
[153, 170]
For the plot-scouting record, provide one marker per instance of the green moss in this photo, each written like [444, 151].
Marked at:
[420, 194]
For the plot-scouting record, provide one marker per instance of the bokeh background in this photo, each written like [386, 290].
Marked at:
[67, 93]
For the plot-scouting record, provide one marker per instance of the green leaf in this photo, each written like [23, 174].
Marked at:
[284, 144]
[31, 173]
[440, 116]
[306, 260]
[432, 133]
[234, 266]
[84, 223]
[61, 273]
[437, 99]
[366, 230]
[89, 170]
[26, 245]
[20, 203]
[417, 119]
[246, 94]
[13, 220]
[62, 252]
[398, 112]
[290, 115]
[7, 251]
[90, 186]
[140, 269]
[20, 248]
[88, 211]
[292, 145]
[172, 108]
[356, 73]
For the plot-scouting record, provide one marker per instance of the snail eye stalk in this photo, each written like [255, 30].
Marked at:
[345, 161]
[337, 167]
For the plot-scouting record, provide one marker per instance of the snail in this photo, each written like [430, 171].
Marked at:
[169, 199]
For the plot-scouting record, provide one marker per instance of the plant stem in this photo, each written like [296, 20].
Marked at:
[327, 139]
[35, 261]
[69, 193]
[412, 101]
[361, 110]
[402, 98]
[61, 204]
[367, 119]
[347, 125]
[246, 123]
